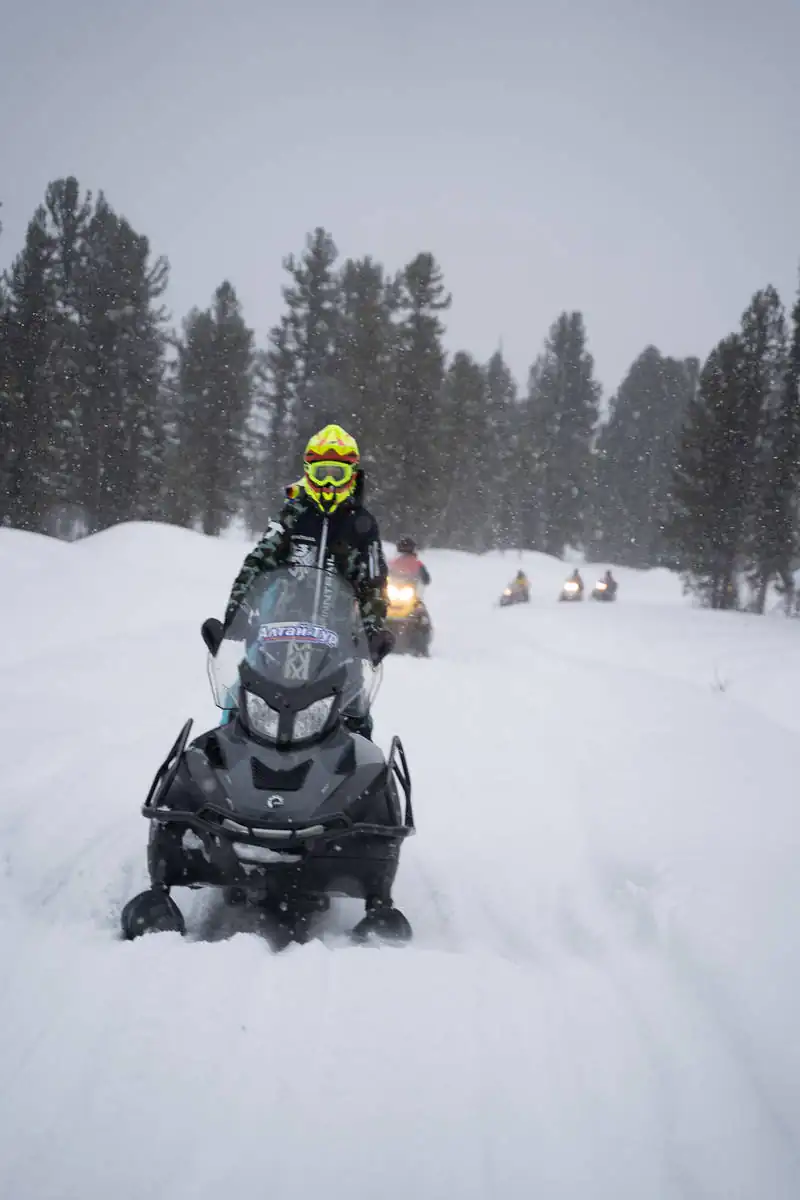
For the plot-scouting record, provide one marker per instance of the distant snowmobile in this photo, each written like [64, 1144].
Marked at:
[407, 615]
[573, 587]
[605, 589]
[517, 592]
[281, 806]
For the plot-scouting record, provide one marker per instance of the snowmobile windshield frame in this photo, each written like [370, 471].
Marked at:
[299, 628]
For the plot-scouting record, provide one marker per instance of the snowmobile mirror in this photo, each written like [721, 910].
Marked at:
[213, 634]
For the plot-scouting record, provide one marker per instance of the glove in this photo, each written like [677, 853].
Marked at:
[381, 643]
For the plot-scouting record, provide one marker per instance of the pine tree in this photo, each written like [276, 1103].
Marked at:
[122, 419]
[233, 347]
[29, 428]
[277, 385]
[5, 395]
[736, 473]
[364, 355]
[709, 488]
[419, 378]
[311, 299]
[787, 465]
[179, 480]
[635, 459]
[68, 220]
[215, 384]
[257, 450]
[502, 419]
[465, 464]
[767, 545]
[556, 437]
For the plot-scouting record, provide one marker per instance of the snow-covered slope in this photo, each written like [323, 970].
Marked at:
[601, 998]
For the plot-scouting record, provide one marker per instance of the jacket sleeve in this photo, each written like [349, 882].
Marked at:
[424, 574]
[368, 574]
[270, 552]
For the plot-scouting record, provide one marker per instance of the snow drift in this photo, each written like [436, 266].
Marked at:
[601, 997]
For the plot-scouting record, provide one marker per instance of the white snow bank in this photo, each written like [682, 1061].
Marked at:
[600, 1001]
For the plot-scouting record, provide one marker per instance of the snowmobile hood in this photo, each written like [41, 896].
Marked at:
[286, 790]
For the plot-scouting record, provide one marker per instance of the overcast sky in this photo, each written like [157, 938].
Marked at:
[635, 159]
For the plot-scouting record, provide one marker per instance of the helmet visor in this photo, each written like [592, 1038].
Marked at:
[336, 474]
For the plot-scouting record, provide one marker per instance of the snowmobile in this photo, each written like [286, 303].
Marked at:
[571, 590]
[515, 593]
[282, 806]
[407, 616]
[604, 591]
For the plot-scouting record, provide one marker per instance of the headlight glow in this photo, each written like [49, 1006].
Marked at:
[400, 593]
[570, 587]
[261, 718]
[601, 587]
[310, 721]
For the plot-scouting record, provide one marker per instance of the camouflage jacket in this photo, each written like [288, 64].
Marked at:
[347, 541]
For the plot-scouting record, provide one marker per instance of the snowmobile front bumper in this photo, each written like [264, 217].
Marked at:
[197, 853]
[213, 846]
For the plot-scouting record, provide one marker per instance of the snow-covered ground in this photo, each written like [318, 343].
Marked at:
[601, 999]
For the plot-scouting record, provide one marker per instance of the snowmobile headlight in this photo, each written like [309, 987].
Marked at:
[507, 592]
[310, 721]
[570, 586]
[400, 593]
[601, 587]
[262, 719]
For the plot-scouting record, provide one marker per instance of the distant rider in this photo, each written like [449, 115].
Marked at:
[576, 578]
[323, 523]
[520, 583]
[408, 565]
[610, 582]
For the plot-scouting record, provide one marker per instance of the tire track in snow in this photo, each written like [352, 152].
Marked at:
[638, 902]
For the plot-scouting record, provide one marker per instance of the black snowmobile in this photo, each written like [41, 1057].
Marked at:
[572, 588]
[517, 592]
[282, 806]
[605, 589]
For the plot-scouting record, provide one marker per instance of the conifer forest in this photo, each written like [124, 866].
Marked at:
[109, 414]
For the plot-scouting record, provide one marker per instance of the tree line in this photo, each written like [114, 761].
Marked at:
[109, 414]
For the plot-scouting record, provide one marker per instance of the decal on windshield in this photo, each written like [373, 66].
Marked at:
[298, 631]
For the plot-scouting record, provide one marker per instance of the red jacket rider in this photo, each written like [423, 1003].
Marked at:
[407, 562]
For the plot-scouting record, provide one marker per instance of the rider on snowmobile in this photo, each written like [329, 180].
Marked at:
[410, 567]
[407, 563]
[610, 582]
[324, 524]
[407, 613]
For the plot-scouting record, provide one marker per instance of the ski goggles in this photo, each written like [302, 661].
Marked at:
[335, 474]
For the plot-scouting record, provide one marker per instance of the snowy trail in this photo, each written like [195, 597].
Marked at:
[600, 999]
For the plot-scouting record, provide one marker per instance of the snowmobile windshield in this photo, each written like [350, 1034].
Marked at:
[299, 627]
